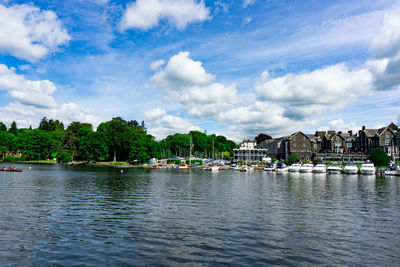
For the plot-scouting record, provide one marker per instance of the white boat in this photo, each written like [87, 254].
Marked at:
[320, 168]
[295, 167]
[392, 169]
[367, 168]
[307, 167]
[350, 168]
[335, 168]
[270, 166]
[281, 167]
[247, 168]
[215, 168]
[183, 166]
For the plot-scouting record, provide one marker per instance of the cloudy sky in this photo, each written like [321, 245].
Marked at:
[237, 68]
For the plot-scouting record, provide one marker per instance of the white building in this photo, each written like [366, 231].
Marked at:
[247, 151]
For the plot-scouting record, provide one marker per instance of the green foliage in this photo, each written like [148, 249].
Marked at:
[92, 146]
[195, 162]
[3, 127]
[50, 125]
[64, 157]
[21, 158]
[174, 161]
[379, 157]
[8, 140]
[13, 128]
[293, 158]
[8, 158]
[37, 144]
[274, 159]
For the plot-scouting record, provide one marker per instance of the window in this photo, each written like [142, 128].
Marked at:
[294, 144]
[348, 144]
[294, 138]
[387, 135]
[387, 142]
[304, 145]
[315, 146]
[304, 138]
[337, 138]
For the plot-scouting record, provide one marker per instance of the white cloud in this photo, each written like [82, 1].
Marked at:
[208, 101]
[162, 125]
[304, 93]
[248, 2]
[28, 33]
[36, 93]
[147, 14]
[259, 117]
[154, 114]
[26, 115]
[182, 71]
[246, 20]
[156, 64]
[340, 125]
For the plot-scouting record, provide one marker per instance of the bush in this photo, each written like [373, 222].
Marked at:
[174, 161]
[379, 157]
[64, 157]
[292, 159]
[9, 158]
[195, 162]
[22, 158]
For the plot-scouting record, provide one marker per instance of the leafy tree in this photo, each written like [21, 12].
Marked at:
[3, 127]
[379, 157]
[13, 128]
[50, 125]
[37, 144]
[64, 157]
[92, 147]
[8, 140]
[293, 158]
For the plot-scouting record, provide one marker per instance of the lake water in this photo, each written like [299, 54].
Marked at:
[53, 215]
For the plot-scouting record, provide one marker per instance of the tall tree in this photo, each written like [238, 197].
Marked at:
[13, 128]
[3, 127]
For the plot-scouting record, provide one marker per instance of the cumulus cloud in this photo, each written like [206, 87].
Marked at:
[259, 117]
[340, 125]
[27, 115]
[147, 14]
[305, 93]
[29, 33]
[385, 46]
[35, 93]
[182, 71]
[209, 100]
[156, 64]
[163, 124]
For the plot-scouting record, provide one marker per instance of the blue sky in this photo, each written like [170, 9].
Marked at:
[236, 68]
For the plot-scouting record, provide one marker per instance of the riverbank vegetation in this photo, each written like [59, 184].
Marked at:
[114, 140]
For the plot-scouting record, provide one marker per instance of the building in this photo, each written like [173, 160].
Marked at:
[297, 143]
[247, 152]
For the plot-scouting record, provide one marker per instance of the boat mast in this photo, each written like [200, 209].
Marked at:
[190, 150]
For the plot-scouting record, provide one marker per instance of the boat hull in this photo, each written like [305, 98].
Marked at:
[282, 170]
[350, 171]
[367, 171]
[306, 170]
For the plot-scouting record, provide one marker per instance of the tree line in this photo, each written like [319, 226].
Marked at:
[114, 140]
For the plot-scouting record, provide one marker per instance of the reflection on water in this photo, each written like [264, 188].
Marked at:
[54, 215]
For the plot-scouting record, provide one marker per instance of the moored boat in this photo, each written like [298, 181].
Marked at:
[281, 167]
[350, 168]
[11, 169]
[320, 168]
[295, 167]
[335, 168]
[270, 166]
[307, 167]
[392, 169]
[367, 168]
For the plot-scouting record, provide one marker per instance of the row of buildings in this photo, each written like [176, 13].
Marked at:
[324, 145]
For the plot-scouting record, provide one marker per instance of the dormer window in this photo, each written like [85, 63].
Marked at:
[387, 135]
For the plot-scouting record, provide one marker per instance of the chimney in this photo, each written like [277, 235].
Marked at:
[350, 133]
[363, 128]
[339, 132]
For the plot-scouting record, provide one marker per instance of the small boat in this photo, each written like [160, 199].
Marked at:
[335, 168]
[350, 168]
[247, 168]
[270, 166]
[367, 168]
[307, 167]
[295, 167]
[281, 167]
[216, 168]
[237, 168]
[183, 166]
[12, 169]
[320, 168]
[392, 169]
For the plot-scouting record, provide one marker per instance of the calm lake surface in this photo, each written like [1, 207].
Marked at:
[53, 215]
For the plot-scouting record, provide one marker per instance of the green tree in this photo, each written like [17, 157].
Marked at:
[379, 157]
[37, 144]
[64, 157]
[92, 146]
[293, 158]
[13, 128]
[3, 127]
[8, 140]
[50, 125]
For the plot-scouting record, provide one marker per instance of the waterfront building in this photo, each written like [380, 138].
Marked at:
[248, 152]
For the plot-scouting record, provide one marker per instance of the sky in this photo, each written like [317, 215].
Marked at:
[236, 68]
